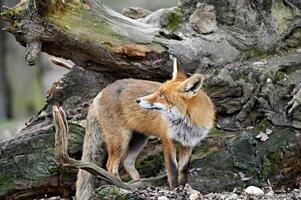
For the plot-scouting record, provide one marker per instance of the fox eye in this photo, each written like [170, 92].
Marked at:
[162, 96]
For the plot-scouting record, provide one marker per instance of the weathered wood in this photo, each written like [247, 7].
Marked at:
[97, 38]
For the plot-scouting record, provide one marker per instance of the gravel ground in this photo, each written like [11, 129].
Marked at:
[187, 193]
[184, 193]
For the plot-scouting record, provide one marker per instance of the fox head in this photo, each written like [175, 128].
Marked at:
[175, 95]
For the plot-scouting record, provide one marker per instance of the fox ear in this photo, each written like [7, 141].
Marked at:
[176, 74]
[175, 69]
[191, 86]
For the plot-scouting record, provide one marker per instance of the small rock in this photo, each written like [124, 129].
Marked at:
[270, 193]
[254, 191]
[262, 136]
[259, 63]
[135, 12]
[193, 194]
[292, 43]
[163, 198]
[232, 197]
[243, 176]
[269, 80]
[268, 131]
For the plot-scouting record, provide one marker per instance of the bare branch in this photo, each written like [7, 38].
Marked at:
[60, 63]
[62, 156]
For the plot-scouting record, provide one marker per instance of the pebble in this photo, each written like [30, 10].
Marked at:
[270, 193]
[163, 198]
[232, 197]
[194, 194]
[254, 191]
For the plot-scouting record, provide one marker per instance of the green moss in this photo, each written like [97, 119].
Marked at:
[281, 15]
[252, 53]
[198, 154]
[262, 125]
[265, 169]
[85, 24]
[112, 192]
[151, 166]
[5, 183]
[8, 14]
[279, 76]
[202, 152]
[174, 18]
[214, 132]
[253, 117]
[296, 34]
[11, 14]
[271, 164]
[267, 4]
[284, 72]
[53, 170]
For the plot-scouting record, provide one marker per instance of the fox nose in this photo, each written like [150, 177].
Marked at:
[138, 101]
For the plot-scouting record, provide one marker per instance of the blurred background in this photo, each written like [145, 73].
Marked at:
[23, 88]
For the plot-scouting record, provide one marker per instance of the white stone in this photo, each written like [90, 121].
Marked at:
[268, 131]
[163, 198]
[194, 194]
[254, 191]
[259, 63]
[262, 136]
[232, 197]
[270, 193]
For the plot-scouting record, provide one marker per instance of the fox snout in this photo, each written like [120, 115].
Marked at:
[144, 104]
[148, 105]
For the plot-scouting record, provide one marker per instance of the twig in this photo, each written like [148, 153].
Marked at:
[60, 63]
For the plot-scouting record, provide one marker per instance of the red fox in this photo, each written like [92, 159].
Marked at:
[130, 110]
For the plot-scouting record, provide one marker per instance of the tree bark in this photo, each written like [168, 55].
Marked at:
[84, 31]
[251, 95]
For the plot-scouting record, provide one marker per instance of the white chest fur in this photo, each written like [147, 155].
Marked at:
[182, 131]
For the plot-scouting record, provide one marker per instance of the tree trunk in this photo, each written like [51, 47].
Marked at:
[4, 91]
[251, 96]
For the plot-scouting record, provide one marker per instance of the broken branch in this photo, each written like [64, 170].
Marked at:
[62, 156]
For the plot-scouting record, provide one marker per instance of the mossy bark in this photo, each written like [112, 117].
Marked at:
[230, 148]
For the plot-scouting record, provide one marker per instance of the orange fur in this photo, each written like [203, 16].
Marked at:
[120, 116]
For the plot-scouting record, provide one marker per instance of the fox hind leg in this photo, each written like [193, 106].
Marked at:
[117, 146]
[136, 145]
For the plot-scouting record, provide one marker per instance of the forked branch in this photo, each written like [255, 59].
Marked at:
[62, 156]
